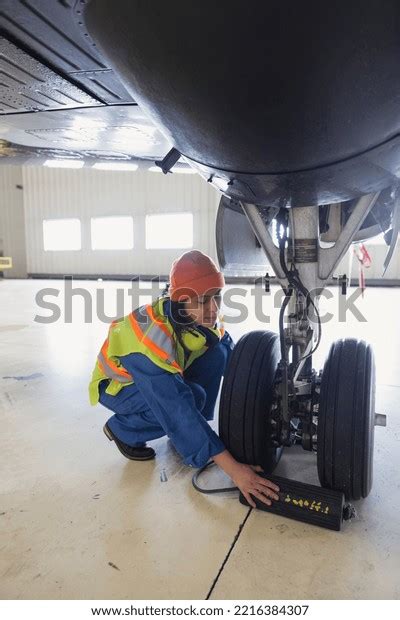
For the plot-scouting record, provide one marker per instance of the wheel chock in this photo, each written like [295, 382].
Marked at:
[307, 503]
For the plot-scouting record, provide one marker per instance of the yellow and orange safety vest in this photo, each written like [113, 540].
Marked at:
[146, 330]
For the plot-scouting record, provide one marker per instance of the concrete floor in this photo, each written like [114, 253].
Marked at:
[79, 521]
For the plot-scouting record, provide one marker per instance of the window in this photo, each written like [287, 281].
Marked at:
[112, 233]
[169, 231]
[377, 240]
[61, 235]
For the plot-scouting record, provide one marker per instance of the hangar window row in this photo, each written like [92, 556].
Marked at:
[162, 231]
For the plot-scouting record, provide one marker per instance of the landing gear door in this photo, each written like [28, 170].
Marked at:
[238, 250]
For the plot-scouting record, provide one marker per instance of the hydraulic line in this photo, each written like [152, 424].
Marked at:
[294, 280]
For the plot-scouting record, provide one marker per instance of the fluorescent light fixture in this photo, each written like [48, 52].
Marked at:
[64, 163]
[115, 165]
[187, 170]
[174, 170]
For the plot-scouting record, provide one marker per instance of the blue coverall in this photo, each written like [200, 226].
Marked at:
[162, 403]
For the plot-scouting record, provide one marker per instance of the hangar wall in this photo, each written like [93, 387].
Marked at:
[373, 274]
[12, 225]
[57, 193]
[86, 193]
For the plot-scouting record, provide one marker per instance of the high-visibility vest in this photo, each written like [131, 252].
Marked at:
[146, 330]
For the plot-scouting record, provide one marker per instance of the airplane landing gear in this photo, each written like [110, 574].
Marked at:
[271, 397]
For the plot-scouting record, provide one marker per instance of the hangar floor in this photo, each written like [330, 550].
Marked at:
[80, 521]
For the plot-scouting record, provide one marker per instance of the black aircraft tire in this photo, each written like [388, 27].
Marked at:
[346, 419]
[246, 397]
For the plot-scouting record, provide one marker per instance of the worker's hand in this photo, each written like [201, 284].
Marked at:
[248, 481]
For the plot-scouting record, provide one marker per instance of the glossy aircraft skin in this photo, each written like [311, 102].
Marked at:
[58, 96]
[314, 121]
[63, 98]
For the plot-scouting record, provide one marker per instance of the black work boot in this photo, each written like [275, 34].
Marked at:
[130, 452]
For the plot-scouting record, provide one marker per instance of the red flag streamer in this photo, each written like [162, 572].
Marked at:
[365, 262]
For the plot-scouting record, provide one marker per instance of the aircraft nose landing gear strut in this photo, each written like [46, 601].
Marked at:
[271, 397]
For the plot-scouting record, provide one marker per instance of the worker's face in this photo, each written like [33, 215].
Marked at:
[204, 309]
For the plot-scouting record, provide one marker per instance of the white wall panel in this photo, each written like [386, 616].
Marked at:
[12, 226]
[374, 272]
[60, 193]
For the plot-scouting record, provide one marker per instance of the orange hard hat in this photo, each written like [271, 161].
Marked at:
[193, 274]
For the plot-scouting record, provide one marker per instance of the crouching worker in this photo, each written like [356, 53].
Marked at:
[160, 369]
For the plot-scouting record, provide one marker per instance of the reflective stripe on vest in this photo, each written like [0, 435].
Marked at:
[157, 337]
[151, 331]
[220, 324]
[110, 369]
